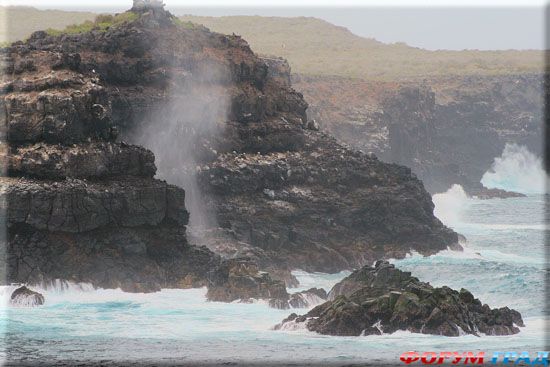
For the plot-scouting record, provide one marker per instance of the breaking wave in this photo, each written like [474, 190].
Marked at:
[450, 205]
[517, 169]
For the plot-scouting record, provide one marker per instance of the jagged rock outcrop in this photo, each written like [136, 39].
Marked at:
[78, 205]
[323, 208]
[94, 160]
[281, 192]
[447, 130]
[24, 297]
[278, 69]
[240, 279]
[384, 299]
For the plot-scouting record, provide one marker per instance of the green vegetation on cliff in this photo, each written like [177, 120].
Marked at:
[102, 22]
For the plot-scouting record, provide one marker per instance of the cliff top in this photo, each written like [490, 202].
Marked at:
[313, 46]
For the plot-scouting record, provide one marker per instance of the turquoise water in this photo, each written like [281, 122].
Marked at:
[503, 263]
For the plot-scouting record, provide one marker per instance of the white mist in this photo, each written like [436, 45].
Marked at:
[183, 132]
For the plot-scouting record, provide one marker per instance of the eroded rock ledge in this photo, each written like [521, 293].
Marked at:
[384, 299]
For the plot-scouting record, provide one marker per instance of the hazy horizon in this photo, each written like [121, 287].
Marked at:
[434, 28]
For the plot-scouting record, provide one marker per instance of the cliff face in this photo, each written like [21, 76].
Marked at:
[448, 130]
[84, 207]
[77, 204]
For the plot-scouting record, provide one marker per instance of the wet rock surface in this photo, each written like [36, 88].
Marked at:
[241, 280]
[383, 299]
[135, 259]
[308, 298]
[323, 208]
[24, 297]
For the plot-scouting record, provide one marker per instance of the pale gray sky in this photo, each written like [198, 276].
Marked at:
[484, 24]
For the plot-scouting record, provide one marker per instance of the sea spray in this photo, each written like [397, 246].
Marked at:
[517, 169]
[184, 132]
[450, 205]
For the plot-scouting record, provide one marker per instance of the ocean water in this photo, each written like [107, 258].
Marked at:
[503, 264]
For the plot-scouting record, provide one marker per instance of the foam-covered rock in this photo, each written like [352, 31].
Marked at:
[24, 297]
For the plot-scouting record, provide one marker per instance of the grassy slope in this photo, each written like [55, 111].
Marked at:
[316, 47]
[312, 46]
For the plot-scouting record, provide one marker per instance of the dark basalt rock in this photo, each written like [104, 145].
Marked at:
[136, 259]
[240, 279]
[486, 193]
[79, 206]
[23, 296]
[66, 108]
[382, 298]
[347, 206]
[86, 161]
[282, 192]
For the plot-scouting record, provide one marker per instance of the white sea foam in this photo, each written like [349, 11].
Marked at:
[517, 169]
[318, 280]
[310, 300]
[449, 206]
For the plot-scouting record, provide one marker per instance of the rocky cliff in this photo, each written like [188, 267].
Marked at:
[82, 205]
[448, 130]
[78, 205]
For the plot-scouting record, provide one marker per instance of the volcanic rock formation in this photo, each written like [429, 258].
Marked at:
[384, 299]
[82, 206]
[78, 205]
[447, 130]
[308, 298]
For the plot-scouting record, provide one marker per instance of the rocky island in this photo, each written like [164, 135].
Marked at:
[383, 299]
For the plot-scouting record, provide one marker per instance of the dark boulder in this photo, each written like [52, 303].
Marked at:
[23, 296]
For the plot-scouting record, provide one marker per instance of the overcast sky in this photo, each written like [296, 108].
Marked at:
[442, 24]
